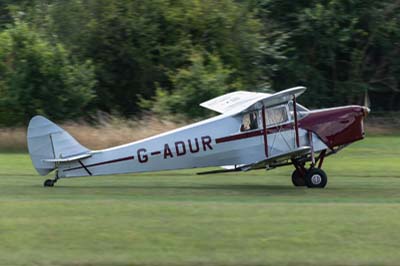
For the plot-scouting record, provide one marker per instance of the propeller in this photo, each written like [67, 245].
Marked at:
[367, 103]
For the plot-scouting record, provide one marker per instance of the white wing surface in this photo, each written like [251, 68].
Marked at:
[233, 101]
[243, 101]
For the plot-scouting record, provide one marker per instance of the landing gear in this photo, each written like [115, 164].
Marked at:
[51, 182]
[312, 178]
[316, 178]
[298, 178]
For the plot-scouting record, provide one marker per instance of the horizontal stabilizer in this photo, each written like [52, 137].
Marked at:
[68, 159]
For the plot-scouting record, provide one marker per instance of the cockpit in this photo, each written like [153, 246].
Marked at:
[249, 121]
[274, 116]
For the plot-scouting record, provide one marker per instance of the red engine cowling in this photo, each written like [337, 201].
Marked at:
[336, 126]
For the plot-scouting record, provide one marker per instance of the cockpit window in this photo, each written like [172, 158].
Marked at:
[276, 115]
[249, 121]
[301, 110]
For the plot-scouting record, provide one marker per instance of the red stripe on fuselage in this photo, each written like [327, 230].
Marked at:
[254, 133]
[245, 135]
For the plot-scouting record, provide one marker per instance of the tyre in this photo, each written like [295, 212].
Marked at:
[48, 183]
[316, 178]
[298, 179]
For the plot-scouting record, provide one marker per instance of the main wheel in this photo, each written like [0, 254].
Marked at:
[316, 178]
[48, 183]
[298, 179]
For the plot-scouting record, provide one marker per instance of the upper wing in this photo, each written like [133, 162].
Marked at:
[243, 101]
[233, 101]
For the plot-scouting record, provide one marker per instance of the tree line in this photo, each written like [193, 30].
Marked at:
[68, 59]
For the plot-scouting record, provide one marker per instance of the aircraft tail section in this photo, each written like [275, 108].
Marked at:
[49, 145]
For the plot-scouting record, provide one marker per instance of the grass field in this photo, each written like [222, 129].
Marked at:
[179, 218]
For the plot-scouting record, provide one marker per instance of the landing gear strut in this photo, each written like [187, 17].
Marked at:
[51, 182]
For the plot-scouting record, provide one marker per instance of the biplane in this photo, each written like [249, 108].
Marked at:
[253, 131]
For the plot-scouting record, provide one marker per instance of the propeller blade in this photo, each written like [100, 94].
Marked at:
[367, 102]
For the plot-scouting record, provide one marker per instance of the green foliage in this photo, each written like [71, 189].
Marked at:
[129, 52]
[338, 48]
[135, 45]
[40, 78]
[203, 79]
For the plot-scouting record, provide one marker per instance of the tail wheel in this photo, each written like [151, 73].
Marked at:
[51, 182]
[48, 183]
[298, 179]
[316, 178]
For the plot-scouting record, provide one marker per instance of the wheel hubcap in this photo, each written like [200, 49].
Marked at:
[316, 179]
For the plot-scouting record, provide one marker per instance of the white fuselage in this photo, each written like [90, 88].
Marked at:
[217, 141]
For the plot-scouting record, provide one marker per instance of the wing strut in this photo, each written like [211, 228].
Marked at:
[296, 126]
[84, 167]
[310, 141]
[264, 121]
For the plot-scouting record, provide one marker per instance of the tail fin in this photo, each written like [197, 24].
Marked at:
[47, 141]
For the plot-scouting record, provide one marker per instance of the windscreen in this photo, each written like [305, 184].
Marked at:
[276, 115]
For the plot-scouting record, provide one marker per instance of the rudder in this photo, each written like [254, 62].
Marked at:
[46, 141]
